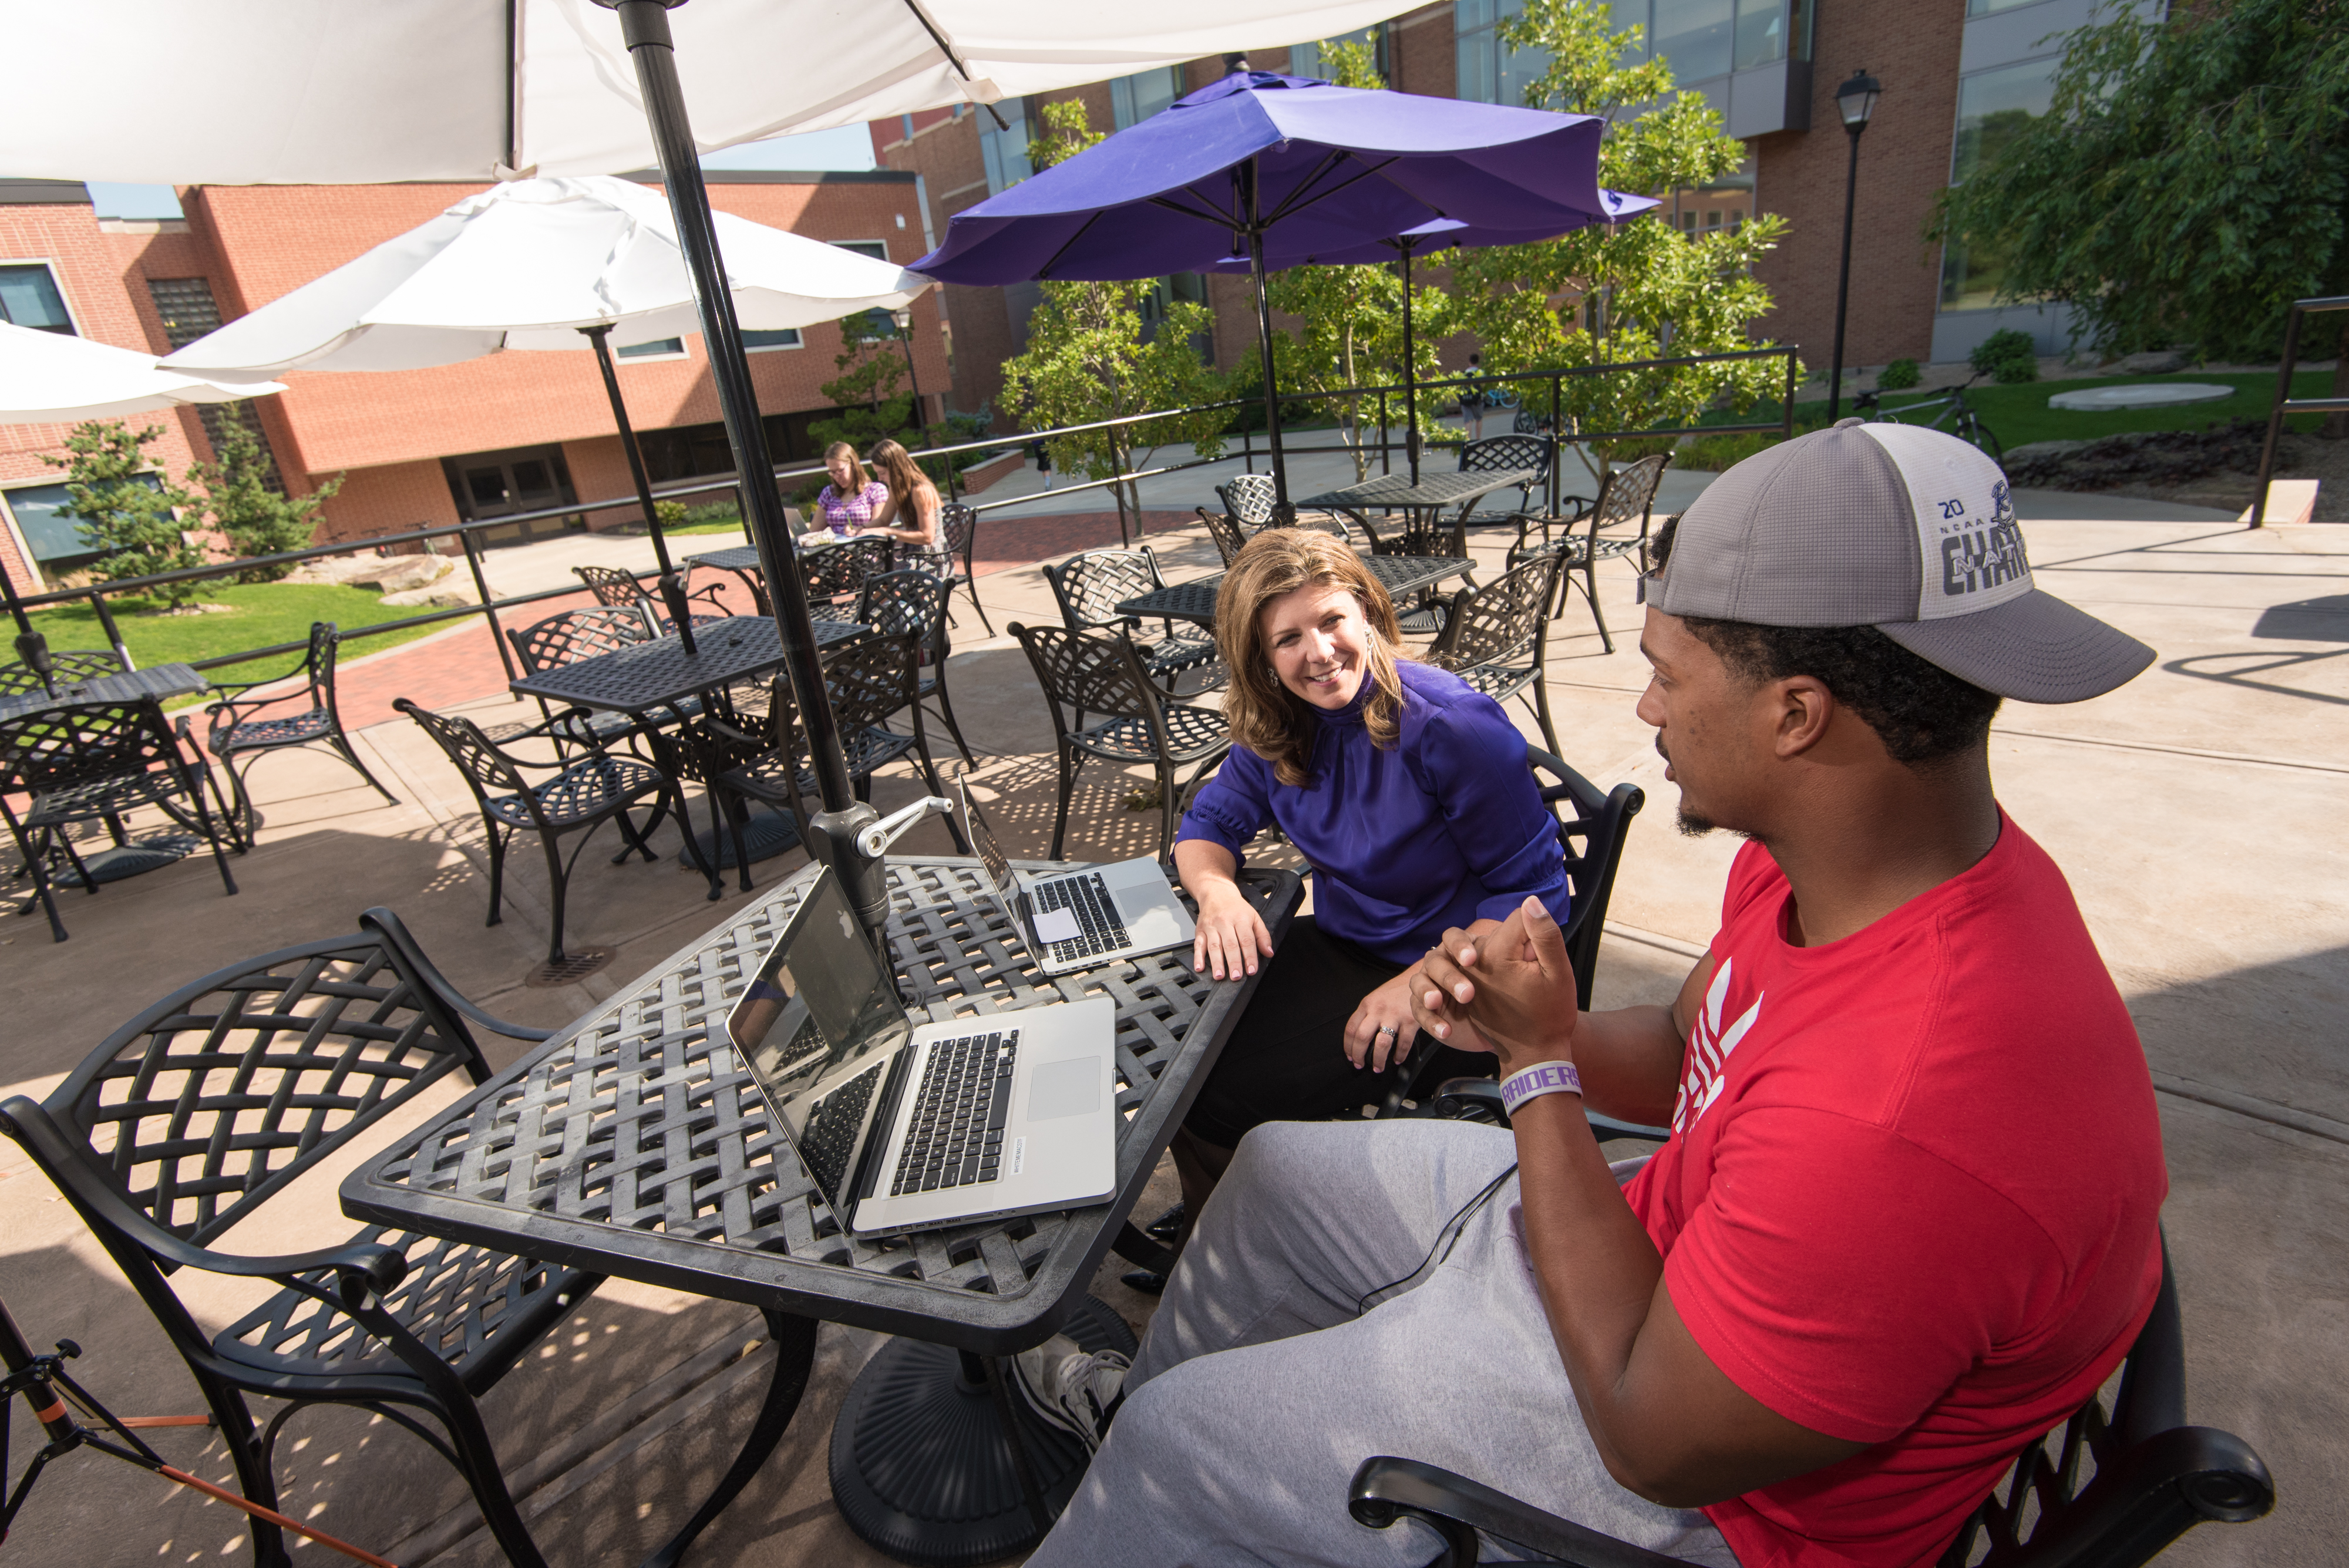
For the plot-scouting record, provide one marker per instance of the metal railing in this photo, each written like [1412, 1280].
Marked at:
[468, 534]
[2285, 403]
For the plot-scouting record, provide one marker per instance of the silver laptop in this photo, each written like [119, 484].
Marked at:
[1077, 919]
[908, 1128]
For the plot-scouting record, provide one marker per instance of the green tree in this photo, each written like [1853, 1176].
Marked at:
[1350, 327]
[1612, 293]
[1089, 359]
[122, 507]
[872, 366]
[258, 520]
[2187, 183]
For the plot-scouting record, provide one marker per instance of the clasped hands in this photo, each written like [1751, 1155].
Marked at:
[1503, 986]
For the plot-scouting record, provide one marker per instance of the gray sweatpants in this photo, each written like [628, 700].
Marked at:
[1265, 1380]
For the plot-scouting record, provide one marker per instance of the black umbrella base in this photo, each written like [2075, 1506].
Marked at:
[919, 1466]
[767, 834]
[133, 860]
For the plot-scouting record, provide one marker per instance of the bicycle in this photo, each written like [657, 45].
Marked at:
[1956, 417]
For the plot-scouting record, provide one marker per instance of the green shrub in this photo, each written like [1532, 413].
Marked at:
[669, 514]
[2007, 357]
[1898, 376]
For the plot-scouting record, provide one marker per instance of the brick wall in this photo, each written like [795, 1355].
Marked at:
[1904, 161]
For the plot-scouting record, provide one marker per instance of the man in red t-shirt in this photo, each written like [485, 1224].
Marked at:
[1907, 1218]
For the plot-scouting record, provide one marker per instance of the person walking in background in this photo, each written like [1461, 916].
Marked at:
[1472, 399]
[850, 501]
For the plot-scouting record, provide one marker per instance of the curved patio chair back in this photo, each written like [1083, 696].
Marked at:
[1580, 542]
[910, 602]
[1502, 453]
[835, 571]
[586, 633]
[1224, 530]
[1090, 587]
[1249, 499]
[958, 537]
[209, 1104]
[612, 585]
[88, 761]
[1492, 638]
[67, 666]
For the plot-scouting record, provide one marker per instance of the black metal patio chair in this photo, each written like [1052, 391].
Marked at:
[93, 762]
[958, 537]
[1225, 531]
[212, 1102]
[1092, 585]
[834, 574]
[67, 666]
[236, 728]
[591, 631]
[1495, 453]
[2110, 1488]
[1594, 534]
[1248, 500]
[618, 588]
[1492, 638]
[869, 681]
[1101, 673]
[579, 798]
[910, 601]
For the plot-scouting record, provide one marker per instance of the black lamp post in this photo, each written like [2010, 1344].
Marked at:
[1856, 100]
[902, 317]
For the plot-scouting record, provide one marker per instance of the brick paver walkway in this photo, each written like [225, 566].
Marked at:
[454, 667]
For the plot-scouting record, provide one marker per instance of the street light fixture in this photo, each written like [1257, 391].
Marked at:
[1856, 101]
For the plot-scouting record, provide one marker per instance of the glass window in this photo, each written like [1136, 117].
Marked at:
[1761, 32]
[1489, 70]
[1988, 7]
[1135, 98]
[1694, 36]
[878, 249]
[1005, 152]
[1995, 104]
[29, 297]
[788, 338]
[659, 345]
[53, 536]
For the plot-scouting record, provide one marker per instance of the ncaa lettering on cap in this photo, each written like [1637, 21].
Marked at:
[1968, 545]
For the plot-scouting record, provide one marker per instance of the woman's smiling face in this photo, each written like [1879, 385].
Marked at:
[1317, 639]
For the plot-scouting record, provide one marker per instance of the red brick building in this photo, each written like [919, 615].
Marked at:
[1770, 67]
[509, 432]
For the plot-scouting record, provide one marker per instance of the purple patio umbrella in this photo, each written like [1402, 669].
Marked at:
[1279, 165]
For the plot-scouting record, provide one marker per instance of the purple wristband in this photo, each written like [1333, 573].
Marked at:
[1541, 1078]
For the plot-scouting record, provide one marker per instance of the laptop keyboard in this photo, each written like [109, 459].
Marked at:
[1102, 930]
[955, 1137]
[830, 1135]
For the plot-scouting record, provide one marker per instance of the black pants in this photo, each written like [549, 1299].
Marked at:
[1286, 1059]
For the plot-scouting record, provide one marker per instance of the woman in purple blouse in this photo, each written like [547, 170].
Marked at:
[850, 501]
[1404, 788]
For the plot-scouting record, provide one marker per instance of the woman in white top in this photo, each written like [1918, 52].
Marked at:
[913, 515]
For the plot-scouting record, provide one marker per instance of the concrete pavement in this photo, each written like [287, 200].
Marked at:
[2196, 811]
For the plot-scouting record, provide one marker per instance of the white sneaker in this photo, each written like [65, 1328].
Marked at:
[1072, 1388]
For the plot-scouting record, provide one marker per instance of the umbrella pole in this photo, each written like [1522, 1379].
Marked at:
[32, 648]
[833, 833]
[672, 590]
[1410, 381]
[1282, 509]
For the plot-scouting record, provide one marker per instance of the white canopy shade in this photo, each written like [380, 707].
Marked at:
[358, 91]
[524, 266]
[51, 379]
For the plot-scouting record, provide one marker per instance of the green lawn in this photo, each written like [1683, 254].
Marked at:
[2019, 415]
[263, 613]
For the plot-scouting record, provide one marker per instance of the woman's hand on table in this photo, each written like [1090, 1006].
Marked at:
[1381, 1028]
[1231, 934]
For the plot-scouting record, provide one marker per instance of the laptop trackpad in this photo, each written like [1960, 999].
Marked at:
[1065, 1089]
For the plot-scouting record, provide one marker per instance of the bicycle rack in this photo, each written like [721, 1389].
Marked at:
[2285, 403]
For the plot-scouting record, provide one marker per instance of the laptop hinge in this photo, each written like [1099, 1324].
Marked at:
[885, 1121]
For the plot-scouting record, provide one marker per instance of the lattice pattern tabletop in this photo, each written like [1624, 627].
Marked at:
[1195, 601]
[160, 681]
[1432, 489]
[660, 673]
[631, 1145]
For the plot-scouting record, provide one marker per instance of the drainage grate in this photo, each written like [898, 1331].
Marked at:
[575, 966]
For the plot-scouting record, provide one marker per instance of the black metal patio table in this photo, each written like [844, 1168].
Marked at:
[1194, 601]
[1422, 503]
[633, 1144]
[645, 676]
[157, 683]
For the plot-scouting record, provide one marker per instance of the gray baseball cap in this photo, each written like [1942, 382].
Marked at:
[1904, 529]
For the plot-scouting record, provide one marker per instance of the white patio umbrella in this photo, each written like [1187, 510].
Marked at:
[56, 379]
[340, 92]
[537, 266]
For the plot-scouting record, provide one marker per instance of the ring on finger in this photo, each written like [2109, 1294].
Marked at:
[1387, 1029]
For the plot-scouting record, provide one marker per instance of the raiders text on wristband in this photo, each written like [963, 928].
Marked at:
[1542, 1078]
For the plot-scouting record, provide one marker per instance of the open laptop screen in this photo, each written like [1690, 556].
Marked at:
[990, 853]
[816, 1028]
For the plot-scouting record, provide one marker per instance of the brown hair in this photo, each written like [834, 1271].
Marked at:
[896, 468]
[854, 466]
[1266, 716]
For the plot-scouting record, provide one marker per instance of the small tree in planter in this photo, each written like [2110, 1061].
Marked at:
[258, 521]
[120, 506]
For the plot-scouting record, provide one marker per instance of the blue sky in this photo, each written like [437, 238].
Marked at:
[850, 147]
